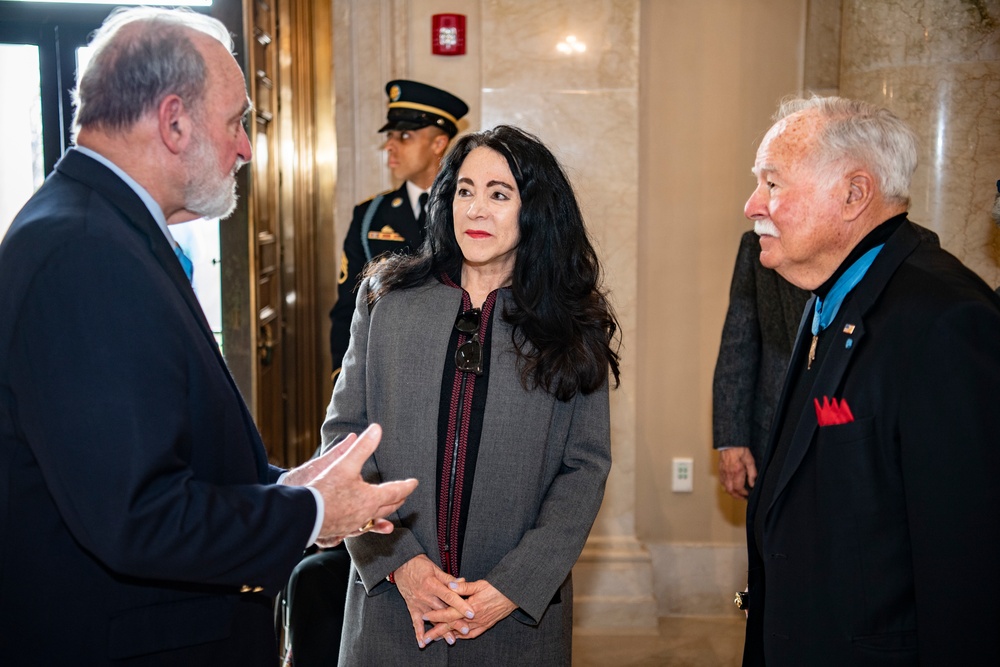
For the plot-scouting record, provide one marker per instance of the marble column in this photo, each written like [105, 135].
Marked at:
[568, 71]
[936, 64]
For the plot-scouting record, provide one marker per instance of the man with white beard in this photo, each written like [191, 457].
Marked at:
[141, 521]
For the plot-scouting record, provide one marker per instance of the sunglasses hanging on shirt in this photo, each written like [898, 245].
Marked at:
[469, 355]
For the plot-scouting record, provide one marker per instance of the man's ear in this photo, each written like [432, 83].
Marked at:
[174, 123]
[440, 144]
[860, 193]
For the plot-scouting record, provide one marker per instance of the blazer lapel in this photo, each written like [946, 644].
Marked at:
[95, 175]
[106, 182]
[833, 367]
[827, 383]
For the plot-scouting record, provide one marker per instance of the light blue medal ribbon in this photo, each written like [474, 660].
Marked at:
[826, 309]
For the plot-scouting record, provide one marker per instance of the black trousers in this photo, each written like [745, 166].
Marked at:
[317, 591]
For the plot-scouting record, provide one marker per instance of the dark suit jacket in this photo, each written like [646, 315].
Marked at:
[133, 504]
[757, 338]
[880, 542]
[393, 229]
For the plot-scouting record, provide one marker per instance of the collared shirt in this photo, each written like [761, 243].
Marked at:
[147, 199]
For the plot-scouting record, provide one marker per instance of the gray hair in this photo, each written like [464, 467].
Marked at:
[862, 133]
[141, 55]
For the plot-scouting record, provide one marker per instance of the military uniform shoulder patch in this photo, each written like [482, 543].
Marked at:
[377, 194]
[342, 278]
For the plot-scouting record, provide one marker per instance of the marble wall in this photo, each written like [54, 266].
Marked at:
[936, 64]
[582, 101]
[712, 74]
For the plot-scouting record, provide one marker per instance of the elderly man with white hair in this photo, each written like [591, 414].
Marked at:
[873, 529]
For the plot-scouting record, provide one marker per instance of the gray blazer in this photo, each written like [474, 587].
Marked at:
[540, 476]
[757, 338]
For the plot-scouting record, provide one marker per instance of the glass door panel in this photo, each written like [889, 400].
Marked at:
[83, 54]
[22, 168]
[200, 241]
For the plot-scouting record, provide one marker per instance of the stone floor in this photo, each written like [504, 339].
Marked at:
[681, 642]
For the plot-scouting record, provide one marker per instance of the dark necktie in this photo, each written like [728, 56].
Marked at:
[422, 218]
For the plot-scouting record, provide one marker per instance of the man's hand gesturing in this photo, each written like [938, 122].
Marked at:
[352, 506]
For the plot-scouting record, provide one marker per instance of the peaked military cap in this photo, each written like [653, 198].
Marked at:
[413, 105]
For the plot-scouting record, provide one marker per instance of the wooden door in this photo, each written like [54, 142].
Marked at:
[265, 228]
[283, 336]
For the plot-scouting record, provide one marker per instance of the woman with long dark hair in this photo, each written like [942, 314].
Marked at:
[486, 357]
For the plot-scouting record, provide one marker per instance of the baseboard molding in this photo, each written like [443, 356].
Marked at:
[697, 579]
[613, 588]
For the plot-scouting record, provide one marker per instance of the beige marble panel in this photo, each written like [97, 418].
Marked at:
[955, 111]
[822, 47]
[520, 39]
[594, 135]
[584, 107]
[884, 33]
[937, 65]
[712, 74]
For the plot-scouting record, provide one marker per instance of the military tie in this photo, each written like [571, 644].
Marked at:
[422, 218]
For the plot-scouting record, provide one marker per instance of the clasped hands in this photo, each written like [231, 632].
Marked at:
[456, 608]
[351, 505]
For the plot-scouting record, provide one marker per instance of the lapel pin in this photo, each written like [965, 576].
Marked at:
[848, 329]
[397, 202]
[849, 344]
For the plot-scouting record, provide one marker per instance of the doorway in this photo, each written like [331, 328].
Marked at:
[255, 272]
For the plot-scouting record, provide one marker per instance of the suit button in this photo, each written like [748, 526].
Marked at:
[258, 589]
[244, 589]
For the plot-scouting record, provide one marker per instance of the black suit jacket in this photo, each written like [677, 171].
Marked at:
[134, 504]
[393, 229]
[763, 317]
[880, 542]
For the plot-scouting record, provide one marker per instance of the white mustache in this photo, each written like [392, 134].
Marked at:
[765, 228]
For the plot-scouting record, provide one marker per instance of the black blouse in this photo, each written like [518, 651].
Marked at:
[460, 426]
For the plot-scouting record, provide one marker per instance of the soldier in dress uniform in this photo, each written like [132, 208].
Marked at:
[422, 120]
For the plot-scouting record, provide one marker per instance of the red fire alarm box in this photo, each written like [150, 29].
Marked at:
[448, 34]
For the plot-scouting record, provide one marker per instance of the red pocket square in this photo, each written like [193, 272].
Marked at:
[831, 412]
